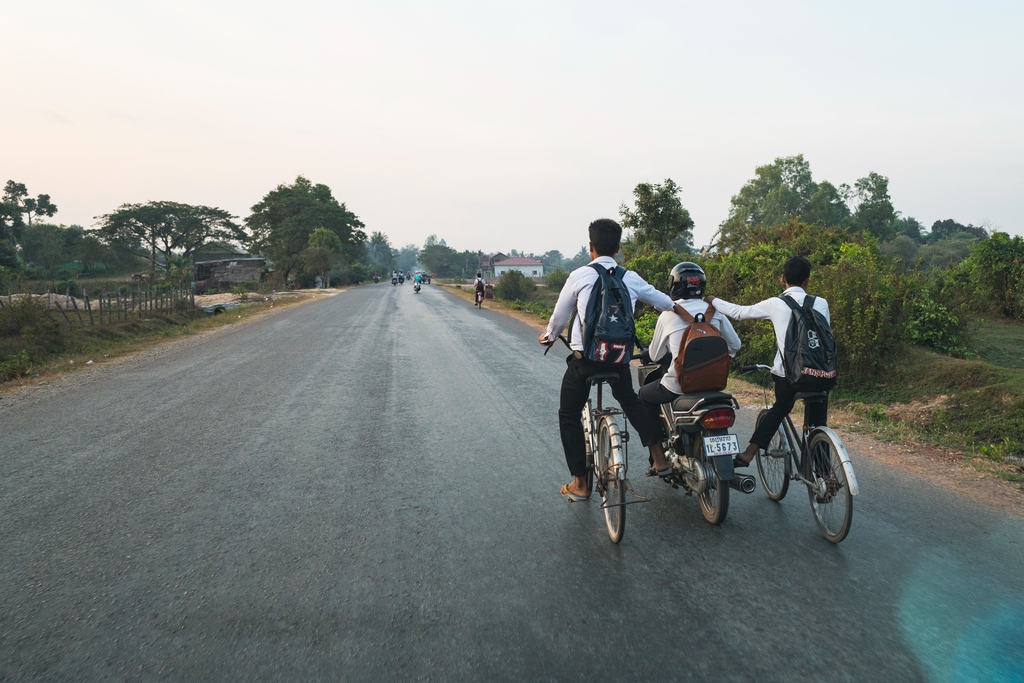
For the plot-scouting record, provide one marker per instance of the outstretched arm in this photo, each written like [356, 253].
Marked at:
[759, 311]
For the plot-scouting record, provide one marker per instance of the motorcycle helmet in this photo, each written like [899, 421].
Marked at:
[687, 281]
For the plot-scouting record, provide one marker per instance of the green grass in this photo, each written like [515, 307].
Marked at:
[1000, 342]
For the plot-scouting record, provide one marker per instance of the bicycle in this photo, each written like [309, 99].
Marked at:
[818, 459]
[607, 454]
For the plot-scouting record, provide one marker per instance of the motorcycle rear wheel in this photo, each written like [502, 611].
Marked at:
[714, 502]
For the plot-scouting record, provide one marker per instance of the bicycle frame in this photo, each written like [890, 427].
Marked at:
[800, 446]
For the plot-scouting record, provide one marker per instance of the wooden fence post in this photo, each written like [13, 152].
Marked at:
[75, 304]
[88, 308]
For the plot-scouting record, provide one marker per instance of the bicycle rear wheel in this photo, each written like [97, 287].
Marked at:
[611, 472]
[831, 497]
[773, 463]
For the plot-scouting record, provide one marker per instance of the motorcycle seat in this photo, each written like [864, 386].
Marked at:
[610, 377]
[686, 402]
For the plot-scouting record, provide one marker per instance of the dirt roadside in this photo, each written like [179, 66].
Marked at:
[939, 467]
[79, 375]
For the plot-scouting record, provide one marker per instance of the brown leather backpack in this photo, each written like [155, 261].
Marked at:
[703, 362]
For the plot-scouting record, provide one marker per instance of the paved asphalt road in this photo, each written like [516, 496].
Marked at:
[366, 488]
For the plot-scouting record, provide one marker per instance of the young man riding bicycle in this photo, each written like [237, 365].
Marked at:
[795, 275]
[605, 238]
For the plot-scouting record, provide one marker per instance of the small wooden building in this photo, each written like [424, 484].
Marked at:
[227, 273]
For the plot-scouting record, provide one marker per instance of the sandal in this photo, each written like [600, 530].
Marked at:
[651, 472]
[573, 497]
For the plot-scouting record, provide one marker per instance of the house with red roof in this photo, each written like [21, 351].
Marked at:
[530, 267]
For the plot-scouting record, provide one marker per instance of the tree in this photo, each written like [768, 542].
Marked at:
[379, 254]
[193, 226]
[17, 194]
[874, 214]
[283, 221]
[168, 227]
[133, 225]
[779, 192]
[827, 205]
[552, 259]
[437, 257]
[323, 253]
[405, 259]
[91, 252]
[949, 228]
[659, 216]
[43, 245]
[581, 259]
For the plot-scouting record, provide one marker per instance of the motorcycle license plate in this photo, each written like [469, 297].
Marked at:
[727, 444]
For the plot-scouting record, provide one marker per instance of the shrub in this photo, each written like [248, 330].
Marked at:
[555, 280]
[514, 285]
[17, 365]
[645, 325]
[931, 324]
[64, 285]
[865, 291]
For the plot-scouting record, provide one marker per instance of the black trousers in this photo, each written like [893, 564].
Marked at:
[653, 393]
[815, 413]
[574, 395]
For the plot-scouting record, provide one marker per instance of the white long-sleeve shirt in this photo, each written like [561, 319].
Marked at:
[576, 292]
[669, 331]
[776, 310]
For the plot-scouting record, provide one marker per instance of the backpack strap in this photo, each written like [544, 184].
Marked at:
[808, 302]
[790, 302]
[686, 316]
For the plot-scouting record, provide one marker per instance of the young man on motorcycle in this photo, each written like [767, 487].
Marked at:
[605, 237]
[796, 274]
[686, 284]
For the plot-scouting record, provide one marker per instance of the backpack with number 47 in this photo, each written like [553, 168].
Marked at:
[608, 328]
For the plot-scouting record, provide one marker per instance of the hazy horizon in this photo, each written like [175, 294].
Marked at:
[500, 128]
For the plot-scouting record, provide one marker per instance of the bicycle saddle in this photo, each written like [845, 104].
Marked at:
[609, 377]
[810, 394]
[686, 402]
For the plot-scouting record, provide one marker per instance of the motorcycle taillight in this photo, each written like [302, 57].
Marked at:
[721, 418]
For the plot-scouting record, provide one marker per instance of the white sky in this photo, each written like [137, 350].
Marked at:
[510, 127]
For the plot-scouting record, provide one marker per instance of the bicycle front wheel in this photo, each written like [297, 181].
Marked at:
[611, 472]
[773, 462]
[831, 497]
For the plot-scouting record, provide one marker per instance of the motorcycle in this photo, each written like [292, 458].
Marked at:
[416, 288]
[700, 447]
[394, 280]
[376, 279]
[401, 279]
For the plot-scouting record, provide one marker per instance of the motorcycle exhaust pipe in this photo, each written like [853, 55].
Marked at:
[743, 482]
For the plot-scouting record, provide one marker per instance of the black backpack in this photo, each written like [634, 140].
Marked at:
[809, 357]
[608, 329]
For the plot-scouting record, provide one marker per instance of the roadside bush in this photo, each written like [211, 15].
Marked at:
[17, 365]
[645, 325]
[933, 325]
[65, 285]
[555, 280]
[514, 285]
[865, 290]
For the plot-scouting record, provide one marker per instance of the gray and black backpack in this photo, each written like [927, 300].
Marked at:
[809, 357]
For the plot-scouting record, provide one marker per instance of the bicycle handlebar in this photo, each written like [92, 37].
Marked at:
[747, 369]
